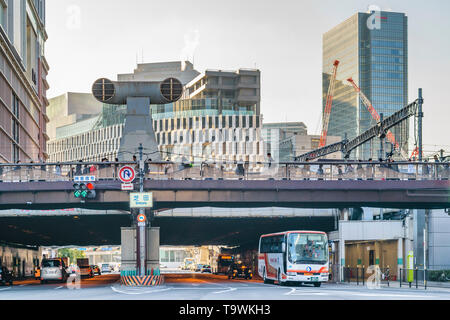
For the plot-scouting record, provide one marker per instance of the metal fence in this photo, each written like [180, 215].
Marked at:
[309, 171]
[361, 275]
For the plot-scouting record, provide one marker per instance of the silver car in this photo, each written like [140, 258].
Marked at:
[53, 270]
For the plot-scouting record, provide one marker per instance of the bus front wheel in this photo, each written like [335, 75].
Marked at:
[266, 281]
[317, 284]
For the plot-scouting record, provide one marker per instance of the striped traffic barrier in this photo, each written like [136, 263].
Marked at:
[145, 281]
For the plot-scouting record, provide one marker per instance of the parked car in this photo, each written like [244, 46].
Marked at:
[239, 270]
[53, 269]
[198, 268]
[5, 276]
[85, 268]
[96, 270]
[206, 269]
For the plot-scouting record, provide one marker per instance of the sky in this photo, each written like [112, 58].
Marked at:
[102, 38]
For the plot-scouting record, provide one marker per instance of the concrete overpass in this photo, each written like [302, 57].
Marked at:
[168, 194]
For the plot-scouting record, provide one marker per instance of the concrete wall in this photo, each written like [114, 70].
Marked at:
[9, 253]
[371, 230]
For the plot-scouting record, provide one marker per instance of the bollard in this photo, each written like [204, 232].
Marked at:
[388, 274]
[348, 274]
[363, 274]
[401, 277]
[357, 276]
[417, 280]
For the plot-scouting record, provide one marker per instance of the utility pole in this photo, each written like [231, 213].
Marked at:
[141, 226]
[419, 124]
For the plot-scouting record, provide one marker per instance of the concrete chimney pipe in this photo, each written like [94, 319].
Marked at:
[113, 92]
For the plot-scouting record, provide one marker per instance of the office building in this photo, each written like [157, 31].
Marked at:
[23, 84]
[373, 50]
[297, 145]
[274, 133]
[217, 119]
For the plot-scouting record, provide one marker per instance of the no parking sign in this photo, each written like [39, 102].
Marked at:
[127, 174]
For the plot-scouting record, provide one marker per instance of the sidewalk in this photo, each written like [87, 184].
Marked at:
[396, 284]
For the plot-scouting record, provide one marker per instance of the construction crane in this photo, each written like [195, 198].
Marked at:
[327, 112]
[389, 135]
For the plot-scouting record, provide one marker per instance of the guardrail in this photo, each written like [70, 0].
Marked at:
[308, 171]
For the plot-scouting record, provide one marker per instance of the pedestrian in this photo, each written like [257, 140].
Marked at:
[349, 171]
[306, 170]
[360, 170]
[411, 170]
[270, 159]
[340, 172]
[78, 168]
[58, 169]
[320, 172]
[437, 168]
[369, 170]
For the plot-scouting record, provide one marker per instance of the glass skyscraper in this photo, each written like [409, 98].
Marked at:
[373, 50]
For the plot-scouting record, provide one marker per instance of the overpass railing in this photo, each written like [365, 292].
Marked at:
[307, 171]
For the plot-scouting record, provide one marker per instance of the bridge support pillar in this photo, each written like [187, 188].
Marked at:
[138, 129]
[129, 272]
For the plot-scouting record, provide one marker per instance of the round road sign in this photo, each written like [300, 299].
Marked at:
[127, 174]
[141, 218]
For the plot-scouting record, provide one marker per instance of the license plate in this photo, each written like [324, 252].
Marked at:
[314, 278]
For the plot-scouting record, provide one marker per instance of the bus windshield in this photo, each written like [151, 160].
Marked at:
[307, 248]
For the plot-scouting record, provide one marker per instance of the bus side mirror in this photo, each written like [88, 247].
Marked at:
[283, 247]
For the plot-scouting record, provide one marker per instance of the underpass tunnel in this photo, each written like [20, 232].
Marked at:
[90, 230]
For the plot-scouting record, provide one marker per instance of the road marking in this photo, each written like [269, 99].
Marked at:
[59, 287]
[390, 295]
[290, 292]
[228, 290]
[5, 289]
[142, 292]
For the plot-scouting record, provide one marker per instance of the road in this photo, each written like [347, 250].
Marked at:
[196, 286]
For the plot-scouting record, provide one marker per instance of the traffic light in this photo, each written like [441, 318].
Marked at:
[84, 190]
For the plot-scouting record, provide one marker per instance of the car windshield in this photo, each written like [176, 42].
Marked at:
[51, 263]
[304, 248]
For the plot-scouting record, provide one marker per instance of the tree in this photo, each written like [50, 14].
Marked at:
[72, 254]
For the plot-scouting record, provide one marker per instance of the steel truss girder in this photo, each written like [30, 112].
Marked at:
[376, 131]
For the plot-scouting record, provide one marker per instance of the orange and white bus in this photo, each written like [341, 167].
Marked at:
[294, 256]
